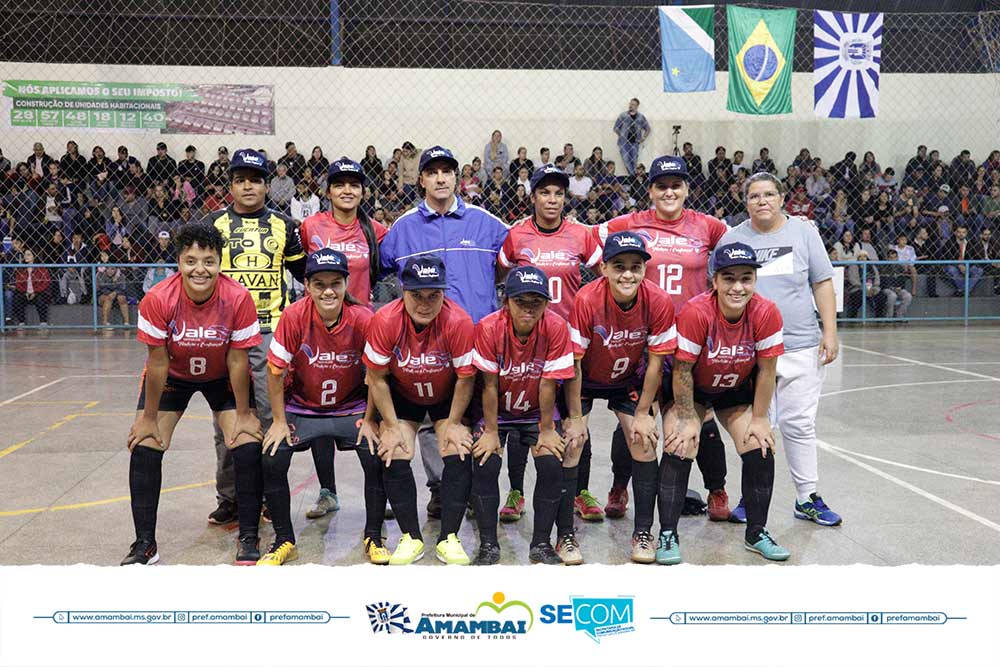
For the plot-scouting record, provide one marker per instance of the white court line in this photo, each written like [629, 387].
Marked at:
[910, 487]
[922, 363]
[57, 381]
[872, 365]
[909, 467]
[901, 384]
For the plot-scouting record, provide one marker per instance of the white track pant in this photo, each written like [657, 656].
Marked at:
[793, 410]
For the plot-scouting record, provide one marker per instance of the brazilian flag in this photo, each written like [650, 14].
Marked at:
[761, 45]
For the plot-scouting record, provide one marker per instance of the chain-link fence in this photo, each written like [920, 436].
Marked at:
[92, 88]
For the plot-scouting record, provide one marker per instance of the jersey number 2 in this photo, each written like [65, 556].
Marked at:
[329, 395]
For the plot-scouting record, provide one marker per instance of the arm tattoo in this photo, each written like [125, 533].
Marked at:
[683, 381]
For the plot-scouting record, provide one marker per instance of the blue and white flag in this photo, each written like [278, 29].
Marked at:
[847, 58]
[687, 43]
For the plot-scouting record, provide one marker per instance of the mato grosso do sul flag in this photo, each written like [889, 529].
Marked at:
[687, 48]
[847, 58]
[761, 49]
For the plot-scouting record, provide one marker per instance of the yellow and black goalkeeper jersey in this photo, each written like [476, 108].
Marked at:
[257, 247]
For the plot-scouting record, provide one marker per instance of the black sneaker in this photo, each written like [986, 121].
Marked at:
[142, 552]
[265, 513]
[544, 554]
[389, 514]
[489, 554]
[248, 550]
[434, 504]
[224, 513]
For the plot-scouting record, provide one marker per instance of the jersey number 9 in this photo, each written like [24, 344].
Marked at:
[619, 368]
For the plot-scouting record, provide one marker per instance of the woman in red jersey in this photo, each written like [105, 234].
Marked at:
[419, 359]
[318, 395]
[728, 343]
[197, 326]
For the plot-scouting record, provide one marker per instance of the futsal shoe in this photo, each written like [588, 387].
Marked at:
[326, 503]
[451, 552]
[142, 552]
[489, 554]
[376, 553]
[718, 505]
[224, 514]
[544, 554]
[739, 513]
[767, 547]
[568, 550]
[408, 551]
[643, 550]
[248, 550]
[513, 509]
[617, 502]
[668, 550]
[279, 554]
[587, 507]
[816, 510]
[434, 504]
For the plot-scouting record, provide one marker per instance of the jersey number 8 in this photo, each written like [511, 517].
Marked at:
[198, 365]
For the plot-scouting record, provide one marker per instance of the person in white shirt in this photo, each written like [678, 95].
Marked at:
[579, 186]
[304, 203]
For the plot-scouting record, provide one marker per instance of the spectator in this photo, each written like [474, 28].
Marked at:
[468, 186]
[53, 251]
[845, 173]
[372, 165]
[907, 255]
[478, 171]
[521, 161]
[99, 169]
[31, 287]
[162, 211]
[924, 250]
[963, 170]
[387, 191]
[304, 203]
[521, 177]
[163, 252]
[116, 226]
[161, 167]
[409, 172]
[295, 162]
[594, 165]
[984, 248]
[847, 248]
[134, 207]
[272, 166]
[866, 243]
[73, 283]
[282, 189]
[862, 210]
[111, 290]
[886, 181]
[990, 206]
[604, 184]
[692, 160]
[73, 165]
[967, 207]
[53, 205]
[897, 279]
[918, 161]
[792, 177]
[992, 163]
[78, 252]
[137, 178]
[958, 248]
[937, 178]
[804, 161]
[494, 203]
[181, 191]
[764, 163]
[632, 129]
[312, 184]
[123, 168]
[38, 162]
[519, 206]
[192, 169]
[569, 159]
[318, 163]
[156, 275]
[497, 184]
[720, 161]
[935, 209]
[579, 187]
[818, 187]
[799, 204]
[544, 156]
[907, 206]
[495, 154]
[738, 162]
[635, 187]
[869, 169]
[222, 162]
[4, 164]
[881, 301]
[981, 185]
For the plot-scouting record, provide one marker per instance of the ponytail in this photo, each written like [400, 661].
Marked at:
[374, 266]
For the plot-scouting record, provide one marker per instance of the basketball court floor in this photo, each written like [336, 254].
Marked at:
[909, 455]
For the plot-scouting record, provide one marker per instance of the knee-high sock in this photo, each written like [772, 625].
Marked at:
[323, 452]
[621, 459]
[145, 476]
[644, 483]
[546, 496]
[583, 468]
[456, 483]
[249, 486]
[486, 497]
[276, 493]
[674, 473]
[401, 489]
[712, 456]
[564, 521]
[374, 492]
[517, 461]
[758, 481]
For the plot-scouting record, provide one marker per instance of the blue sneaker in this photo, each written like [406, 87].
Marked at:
[668, 551]
[767, 547]
[816, 510]
[739, 513]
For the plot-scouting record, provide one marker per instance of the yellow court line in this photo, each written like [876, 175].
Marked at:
[95, 503]
[13, 448]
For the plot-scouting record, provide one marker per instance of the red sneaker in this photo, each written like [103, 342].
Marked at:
[587, 507]
[617, 502]
[718, 505]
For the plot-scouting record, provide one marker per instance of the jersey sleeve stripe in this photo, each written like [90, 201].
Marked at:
[375, 357]
[662, 338]
[246, 332]
[147, 328]
[688, 346]
[770, 341]
[563, 362]
[279, 351]
[577, 339]
[464, 360]
[484, 364]
[502, 258]
[602, 232]
[594, 259]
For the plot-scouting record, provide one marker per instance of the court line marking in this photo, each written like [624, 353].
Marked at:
[923, 363]
[917, 468]
[32, 391]
[900, 384]
[835, 451]
[95, 503]
[51, 427]
[873, 365]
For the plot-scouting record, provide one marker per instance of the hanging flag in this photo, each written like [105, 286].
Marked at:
[687, 43]
[761, 49]
[847, 58]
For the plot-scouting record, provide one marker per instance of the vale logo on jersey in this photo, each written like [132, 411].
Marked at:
[350, 248]
[679, 244]
[329, 359]
[549, 257]
[617, 338]
[719, 353]
[425, 362]
[213, 335]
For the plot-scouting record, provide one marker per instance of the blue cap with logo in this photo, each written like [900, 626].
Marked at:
[667, 165]
[326, 259]
[437, 153]
[345, 165]
[734, 254]
[526, 280]
[247, 158]
[623, 242]
[549, 172]
[424, 272]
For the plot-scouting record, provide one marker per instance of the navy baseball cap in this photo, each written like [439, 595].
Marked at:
[345, 165]
[550, 172]
[424, 272]
[326, 259]
[248, 158]
[623, 242]
[667, 165]
[734, 254]
[437, 153]
[526, 280]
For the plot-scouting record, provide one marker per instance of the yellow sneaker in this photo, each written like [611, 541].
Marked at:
[375, 552]
[279, 554]
[450, 551]
[407, 551]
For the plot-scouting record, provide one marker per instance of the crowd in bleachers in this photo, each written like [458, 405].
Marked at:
[74, 210]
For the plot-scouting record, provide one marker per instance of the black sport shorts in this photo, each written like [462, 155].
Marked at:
[306, 429]
[177, 394]
[624, 399]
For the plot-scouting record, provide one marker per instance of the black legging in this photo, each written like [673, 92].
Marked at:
[21, 302]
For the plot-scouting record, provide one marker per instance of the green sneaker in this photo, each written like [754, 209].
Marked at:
[513, 508]
[326, 503]
[767, 547]
[407, 551]
[668, 551]
[450, 551]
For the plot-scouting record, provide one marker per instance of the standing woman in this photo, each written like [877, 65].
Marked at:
[371, 165]
[419, 359]
[317, 161]
[679, 241]
[793, 286]
[346, 229]
[728, 341]
[318, 398]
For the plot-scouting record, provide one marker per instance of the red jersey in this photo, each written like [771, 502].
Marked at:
[325, 372]
[423, 365]
[724, 353]
[546, 354]
[680, 249]
[320, 230]
[559, 254]
[198, 335]
[611, 341]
